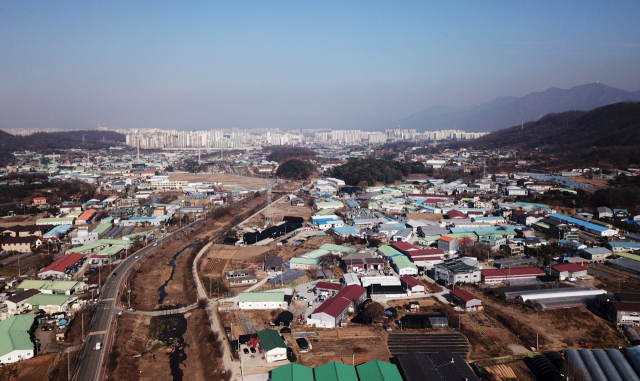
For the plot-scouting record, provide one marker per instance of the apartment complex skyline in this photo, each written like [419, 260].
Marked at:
[235, 138]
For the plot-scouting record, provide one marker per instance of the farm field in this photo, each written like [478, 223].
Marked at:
[342, 344]
[228, 181]
[516, 370]
[280, 210]
[552, 329]
[408, 341]
[221, 258]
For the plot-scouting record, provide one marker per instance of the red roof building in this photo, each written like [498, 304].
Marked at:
[456, 215]
[85, 217]
[60, 265]
[329, 287]
[412, 284]
[404, 247]
[465, 299]
[503, 275]
[568, 270]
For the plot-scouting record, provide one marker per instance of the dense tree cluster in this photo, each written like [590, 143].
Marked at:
[375, 170]
[295, 169]
[282, 153]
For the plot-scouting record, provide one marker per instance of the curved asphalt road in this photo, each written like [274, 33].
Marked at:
[92, 363]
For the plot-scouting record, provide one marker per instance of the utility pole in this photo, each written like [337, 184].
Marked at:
[82, 313]
[129, 295]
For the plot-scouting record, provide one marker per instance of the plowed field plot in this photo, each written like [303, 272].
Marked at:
[215, 266]
[400, 344]
[489, 329]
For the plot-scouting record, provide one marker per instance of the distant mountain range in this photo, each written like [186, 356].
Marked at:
[606, 136]
[509, 111]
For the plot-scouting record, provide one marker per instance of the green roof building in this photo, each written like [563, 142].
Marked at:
[49, 286]
[262, 301]
[342, 249]
[323, 212]
[50, 302]
[378, 371]
[303, 263]
[15, 339]
[316, 253]
[292, 372]
[388, 251]
[274, 347]
[335, 371]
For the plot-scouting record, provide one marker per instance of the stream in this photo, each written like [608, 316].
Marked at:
[162, 293]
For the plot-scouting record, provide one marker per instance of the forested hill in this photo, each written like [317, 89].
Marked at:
[610, 134]
[368, 172]
[45, 142]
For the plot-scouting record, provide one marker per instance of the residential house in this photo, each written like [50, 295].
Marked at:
[274, 347]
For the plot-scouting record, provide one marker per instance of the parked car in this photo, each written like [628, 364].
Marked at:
[252, 349]
[246, 351]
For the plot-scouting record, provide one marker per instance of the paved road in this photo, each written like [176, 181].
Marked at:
[92, 363]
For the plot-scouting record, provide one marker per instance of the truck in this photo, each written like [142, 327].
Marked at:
[98, 346]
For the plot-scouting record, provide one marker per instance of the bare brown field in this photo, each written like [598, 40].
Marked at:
[516, 370]
[34, 262]
[222, 258]
[340, 345]
[18, 220]
[228, 181]
[555, 329]
[604, 183]
[280, 210]
[435, 217]
[36, 368]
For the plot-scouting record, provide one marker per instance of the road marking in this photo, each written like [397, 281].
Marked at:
[107, 299]
[97, 333]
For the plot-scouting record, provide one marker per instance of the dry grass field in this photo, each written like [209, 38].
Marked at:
[37, 368]
[228, 181]
[555, 329]
[342, 344]
[280, 210]
[425, 216]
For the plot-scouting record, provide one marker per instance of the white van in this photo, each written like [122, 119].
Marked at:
[98, 346]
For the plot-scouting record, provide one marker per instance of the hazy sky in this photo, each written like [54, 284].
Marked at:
[297, 64]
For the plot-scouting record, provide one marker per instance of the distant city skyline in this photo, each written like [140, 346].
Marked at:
[292, 65]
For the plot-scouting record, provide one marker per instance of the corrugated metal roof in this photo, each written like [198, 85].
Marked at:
[378, 371]
[292, 372]
[14, 334]
[335, 371]
[270, 339]
[261, 297]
